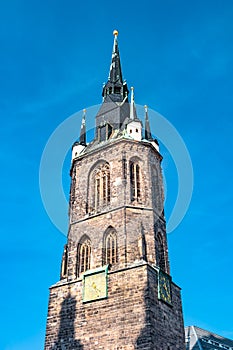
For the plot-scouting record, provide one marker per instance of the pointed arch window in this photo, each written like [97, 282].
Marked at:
[101, 186]
[110, 248]
[84, 255]
[135, 182]
[161, 253]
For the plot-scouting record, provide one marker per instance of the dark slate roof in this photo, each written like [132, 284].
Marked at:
[148, 135]
[113, 113]
[201, 339]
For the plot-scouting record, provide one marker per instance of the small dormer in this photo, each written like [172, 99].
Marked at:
[134, 129]
[77, 149]
[104, 132]
[134, 126]
[79, 146]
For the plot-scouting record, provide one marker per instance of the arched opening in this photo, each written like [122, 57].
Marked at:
[110, 247]
[100, 187]
[84, 255]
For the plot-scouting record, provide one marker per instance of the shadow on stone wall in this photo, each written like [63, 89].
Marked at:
[66, 335]
[158, 332]
[144, 340]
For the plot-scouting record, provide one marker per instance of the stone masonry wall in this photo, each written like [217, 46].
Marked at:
[130, 220]
[131, 317]
[118, 154]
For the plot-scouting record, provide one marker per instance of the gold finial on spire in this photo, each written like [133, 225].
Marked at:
[84, 110]
[115, 32]
[146, 108]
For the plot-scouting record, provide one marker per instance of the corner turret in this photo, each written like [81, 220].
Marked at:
[79, 146]
[134, 126]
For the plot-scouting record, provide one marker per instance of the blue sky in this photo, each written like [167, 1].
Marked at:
[54, 58]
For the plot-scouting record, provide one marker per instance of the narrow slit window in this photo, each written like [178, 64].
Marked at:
[135, 182]
[161, 253]
[110, 248]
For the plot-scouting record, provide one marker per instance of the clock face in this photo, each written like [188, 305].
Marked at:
[164, 289]
[95, 286]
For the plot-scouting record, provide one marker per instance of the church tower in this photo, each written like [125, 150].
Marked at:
[115, 289]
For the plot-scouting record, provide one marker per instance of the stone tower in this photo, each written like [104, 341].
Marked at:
[115, 290]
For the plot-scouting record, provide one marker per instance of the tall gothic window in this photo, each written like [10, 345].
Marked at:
[84, 255]
[101, 186]
[160, 253]
[110, 248]
[135, 181]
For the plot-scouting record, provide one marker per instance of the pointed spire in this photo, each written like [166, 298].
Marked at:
[82, 139]
[115, 74]
[115, 87]
[132, 103]
[148, 135]
[133, 114]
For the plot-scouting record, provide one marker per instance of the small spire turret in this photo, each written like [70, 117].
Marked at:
[82, 139]
[79, 146]
[134, 126]
[133, 113]
[148, 135]
[132, 104]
